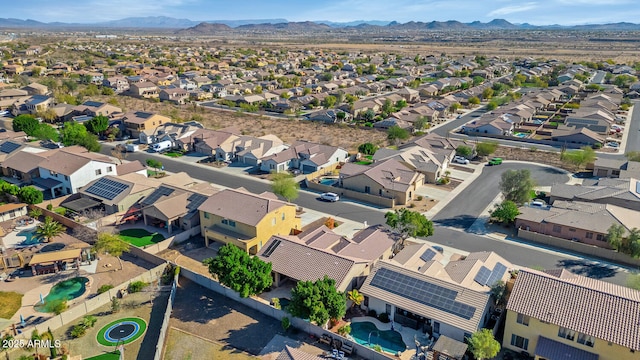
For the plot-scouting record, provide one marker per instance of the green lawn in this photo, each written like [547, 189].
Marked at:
[364, 162]
[115, 355]
[11, 302]
[174, 154]
[140, 237]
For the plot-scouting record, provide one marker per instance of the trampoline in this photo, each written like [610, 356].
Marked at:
[122, 331]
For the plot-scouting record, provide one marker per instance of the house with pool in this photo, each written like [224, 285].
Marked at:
[420, 288]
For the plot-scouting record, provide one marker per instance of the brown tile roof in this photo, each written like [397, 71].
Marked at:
[8, 207]
[68, 162]
[23, 161]
[606, 311]
[241, 206]
[130, 167]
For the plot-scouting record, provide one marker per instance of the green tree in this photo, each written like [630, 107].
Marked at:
[506, 212]
[474, 100]
[615, 236]
[90, 142]
[115, 305]
[242, 273]
[499, 292]
[633, 156]
[477, 80]
[486, 148]
[73, 133]
[111, 244]
[633, 281]
[368, 115]
[107, 91]
[407, 223]
[153, 163]
[578, 158]
[492, 105]
[463, 150]
[26, 123]
[46, 132]
[421, 122]
[329, 101]
[317, 301]
[516, 186]
[356, 297]
[367, 148]
[49, 229]
[35, 212]
[633, 243]
[396, 133]
[30, 195]
[487, 93]
[285, 185]
[483, 345]
[98, 124]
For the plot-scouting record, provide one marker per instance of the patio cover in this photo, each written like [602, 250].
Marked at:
[454, 349]
[81, 204]
[43, 184]
[553, 350]
[53, 256]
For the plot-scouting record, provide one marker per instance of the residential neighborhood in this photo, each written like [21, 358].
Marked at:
[177, 196]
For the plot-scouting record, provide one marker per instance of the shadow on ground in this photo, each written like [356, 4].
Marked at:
[588, 269]
[459, 222]
[148, 346]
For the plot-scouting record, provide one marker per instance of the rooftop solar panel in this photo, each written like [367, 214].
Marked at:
[482, 276]
[195, 200]
[9, 147]
[427, 255]
[272, 247]
[156, 195]
[106, 188]
[496, 274]
[422, 292]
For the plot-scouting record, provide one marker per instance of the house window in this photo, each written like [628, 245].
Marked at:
[366, 301]
[225, 221]
[585, 339]
[109, 169]
[572, 229]
[523, 319]
[282, 216]
[206, 215]
[12, 214]
[380, 192]
[600, 237]
[566, 333]
[519, 342]
[98, 172]
[367, 189]
[557, 228]
[232, 223]
[589, 235]
[52, 173]
[436, 327]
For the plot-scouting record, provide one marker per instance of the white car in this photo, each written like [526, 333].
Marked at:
[460, 160]
[328, 196]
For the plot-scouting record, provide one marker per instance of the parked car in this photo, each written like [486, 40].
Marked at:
[495, 161]
[460, 160]
[328, 196]
[613, 144]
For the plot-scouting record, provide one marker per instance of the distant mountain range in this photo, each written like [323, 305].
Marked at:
[202, 27]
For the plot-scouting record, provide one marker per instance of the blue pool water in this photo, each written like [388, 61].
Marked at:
[30, 237]
[521, 135]
[390, 341]
[328, 181]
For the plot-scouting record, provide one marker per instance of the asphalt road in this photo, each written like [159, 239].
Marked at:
[465, 208]
[453, 124]
[485, 188]
[633, 139]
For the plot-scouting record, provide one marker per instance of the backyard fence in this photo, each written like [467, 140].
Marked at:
[352, 194]
[88, 305]
[277, 314]
[175, 239]
[167, 317]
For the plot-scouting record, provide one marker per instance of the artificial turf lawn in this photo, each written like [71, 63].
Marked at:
[11, 302]
[103, 341]
[115, 355]
[140, 237]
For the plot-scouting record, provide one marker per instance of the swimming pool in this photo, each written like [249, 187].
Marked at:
[30, 235]
[520, 135]
[389, 340]
[64, 290]
[328, 181]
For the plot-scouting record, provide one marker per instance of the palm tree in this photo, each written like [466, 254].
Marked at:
[111, 244]
[35, 213]
[356, 297]
[49, 229]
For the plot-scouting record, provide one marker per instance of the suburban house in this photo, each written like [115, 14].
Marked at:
[139, 121]
[244, 219]
[421, 290]
[431, 165]
[11, 211]
[115, 193]
[317, 252]
[96, 108]
[579, 136]
[226, 146]
[180, 135]
[306, 156]
[620, 192]
[144, 89]
[616, 168]
[389, 178]
[175, 95]
[556, 314]
[585, 222]
[117, 83]
[65, 171]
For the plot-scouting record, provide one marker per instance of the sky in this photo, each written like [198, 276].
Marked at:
[535, 12]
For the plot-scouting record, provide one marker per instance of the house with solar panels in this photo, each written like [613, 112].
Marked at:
[423, 289]
[113, 194]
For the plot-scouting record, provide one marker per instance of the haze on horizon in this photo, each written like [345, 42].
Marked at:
[535, 12]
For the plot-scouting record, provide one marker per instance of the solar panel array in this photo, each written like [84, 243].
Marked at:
[9, 147]
[272, 247]
[156, 195]
[422, 292]
[427, 255]
[106, 188]
[482, 276]
[496, 274]
[194, 201]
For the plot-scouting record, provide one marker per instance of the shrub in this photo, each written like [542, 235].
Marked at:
[419, 197]
[49, 207]
[104, 288]
[58, 306]
[377, 348]
[383, 317]
[286, 323]
[276, 303]
[78, 331]
[344, 330]
[137, 286]
[115, 305]
[61, 211]
[88, 321]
